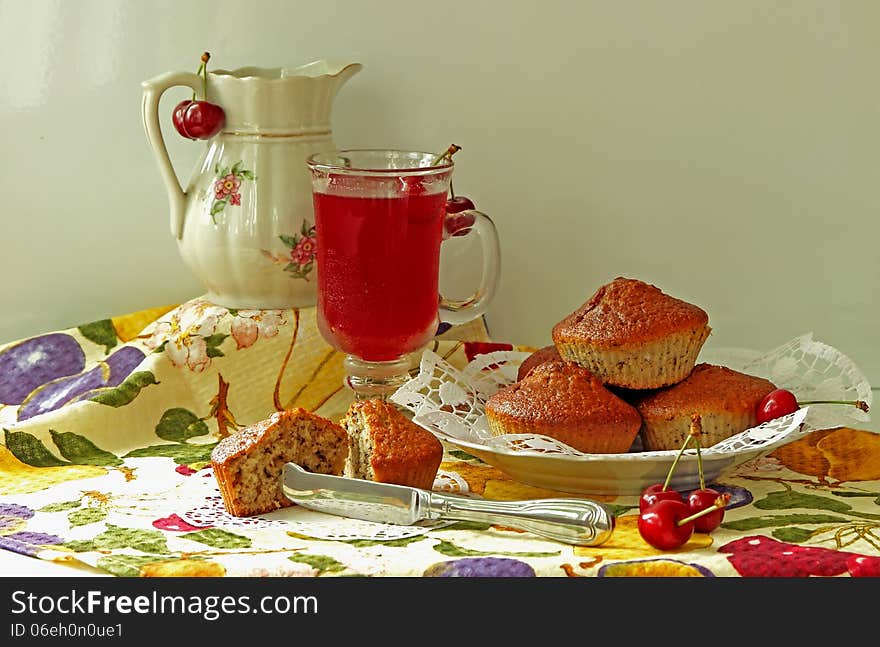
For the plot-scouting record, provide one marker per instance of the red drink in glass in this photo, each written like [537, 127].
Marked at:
[379, 222]
[378, 260]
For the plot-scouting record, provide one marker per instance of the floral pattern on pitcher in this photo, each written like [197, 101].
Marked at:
[300, 259]
[227, 187]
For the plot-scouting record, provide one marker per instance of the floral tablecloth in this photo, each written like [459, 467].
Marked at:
[108, 428]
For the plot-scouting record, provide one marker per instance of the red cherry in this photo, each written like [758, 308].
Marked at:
[776, 404]
[458, 203]
[657, 492]
[782, 402]
[458, 221]
[699, 500]
[199, 119]
[203, 119]
[659, 524]
[177, 117]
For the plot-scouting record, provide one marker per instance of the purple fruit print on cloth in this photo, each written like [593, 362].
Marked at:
[111, 372]
[29, 364]
[14, 535]
[654, 567]
[480, 567]
[13, 510]
[739, 496]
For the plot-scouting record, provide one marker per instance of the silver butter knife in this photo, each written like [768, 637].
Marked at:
[580, 522]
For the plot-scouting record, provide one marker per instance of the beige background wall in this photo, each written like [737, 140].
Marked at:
[726, 151]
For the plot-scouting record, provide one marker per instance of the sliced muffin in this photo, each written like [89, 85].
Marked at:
[726, 401]
[565, 401]
[248, 464]
[386, 446]
[546, 354]
[633, 335]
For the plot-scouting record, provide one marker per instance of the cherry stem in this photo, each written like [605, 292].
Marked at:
[718, 504]
[695, 433]
[204, 70]
[447, 154]
[198, 73]
[860, 404]
[674, 463]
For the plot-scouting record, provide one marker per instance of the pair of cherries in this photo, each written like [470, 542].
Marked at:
[666, 519]
[199, 119]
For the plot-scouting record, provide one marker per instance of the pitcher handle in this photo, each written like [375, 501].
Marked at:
[459, 312]
[153, 90]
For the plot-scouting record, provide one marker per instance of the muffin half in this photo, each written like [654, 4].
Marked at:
[248, 464]
[385, 446]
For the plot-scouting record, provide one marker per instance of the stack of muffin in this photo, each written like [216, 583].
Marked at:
[625, 363]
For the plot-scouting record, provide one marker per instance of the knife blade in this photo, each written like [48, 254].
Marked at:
[576, 521]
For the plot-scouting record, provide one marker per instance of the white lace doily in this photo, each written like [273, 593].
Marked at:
[207, 509]
[450, 403]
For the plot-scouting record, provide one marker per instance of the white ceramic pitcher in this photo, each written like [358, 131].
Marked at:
[245, 222]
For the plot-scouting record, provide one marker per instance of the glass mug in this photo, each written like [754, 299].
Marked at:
[380, 217]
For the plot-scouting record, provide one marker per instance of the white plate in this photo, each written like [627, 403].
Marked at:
[609, 474]
[449, 403]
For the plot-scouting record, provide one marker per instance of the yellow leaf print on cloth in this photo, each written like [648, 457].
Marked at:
[626, 543]
[510, 490]
[129, 326]
[183, 568]
[840, 454]
[19, 478]
[476, 476]
[853, 455]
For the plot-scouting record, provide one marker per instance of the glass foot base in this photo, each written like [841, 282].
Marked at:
[375, 379]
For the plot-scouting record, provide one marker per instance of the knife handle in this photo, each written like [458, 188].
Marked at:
[581, 522]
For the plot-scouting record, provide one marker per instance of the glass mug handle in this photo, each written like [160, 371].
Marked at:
[457, 224]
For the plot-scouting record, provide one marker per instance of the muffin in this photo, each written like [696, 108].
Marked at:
[546, 354]
[385, 446]
[564, 401]
[724, 399]
[248, 464]
[633, 335]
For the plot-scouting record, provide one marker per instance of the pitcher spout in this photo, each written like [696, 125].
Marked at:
[340, 70]
[280, 101]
